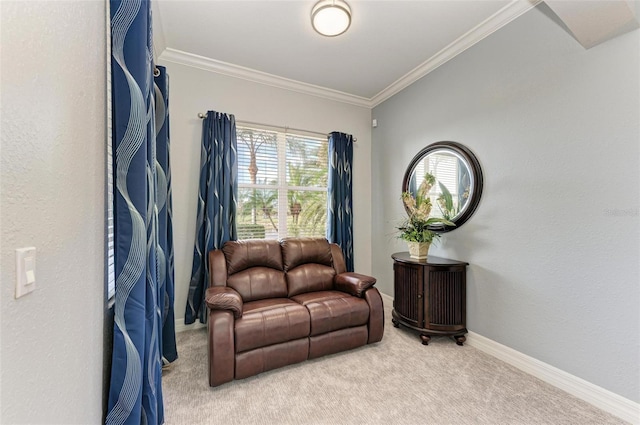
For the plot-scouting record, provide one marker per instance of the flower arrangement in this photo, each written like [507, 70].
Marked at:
[416, 228]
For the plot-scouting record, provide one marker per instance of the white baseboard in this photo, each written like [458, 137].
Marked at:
[387, 300]
[599, 397]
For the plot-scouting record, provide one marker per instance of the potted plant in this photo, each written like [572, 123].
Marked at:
[416, 230]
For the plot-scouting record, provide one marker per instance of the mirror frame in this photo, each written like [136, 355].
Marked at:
[476, 174]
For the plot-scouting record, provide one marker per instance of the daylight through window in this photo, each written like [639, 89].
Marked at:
[282, 184]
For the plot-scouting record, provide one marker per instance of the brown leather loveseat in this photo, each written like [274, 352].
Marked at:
[274, 303]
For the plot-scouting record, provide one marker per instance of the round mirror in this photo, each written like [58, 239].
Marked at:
[444, 179]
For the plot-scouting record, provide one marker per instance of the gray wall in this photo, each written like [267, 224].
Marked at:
[554, 244]
[52, 195]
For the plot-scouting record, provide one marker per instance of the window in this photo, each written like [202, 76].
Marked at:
[282, 184]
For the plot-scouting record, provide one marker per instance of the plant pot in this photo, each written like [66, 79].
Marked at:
[419, 250]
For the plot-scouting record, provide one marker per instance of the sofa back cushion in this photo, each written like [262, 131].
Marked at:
[297, 251]
[255, 269]
[308, 265]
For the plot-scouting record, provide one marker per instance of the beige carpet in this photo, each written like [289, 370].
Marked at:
[396, 381]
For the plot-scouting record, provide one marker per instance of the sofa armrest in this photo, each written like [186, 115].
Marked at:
[221, 347]
[224, 298]
[376, 315]
[353, 283]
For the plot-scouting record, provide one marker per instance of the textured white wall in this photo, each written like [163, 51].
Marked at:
[555, 242]
[52, 197]
[194, 90]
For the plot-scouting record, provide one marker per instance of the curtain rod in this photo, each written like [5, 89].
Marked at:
[203, 116]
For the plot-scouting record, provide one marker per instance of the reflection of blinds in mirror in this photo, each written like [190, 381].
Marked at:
[445, 168]
[419, 172]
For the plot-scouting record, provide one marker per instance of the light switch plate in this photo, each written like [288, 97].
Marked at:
[25, 271]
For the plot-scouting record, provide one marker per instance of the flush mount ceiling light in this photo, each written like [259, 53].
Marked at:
[331, 17]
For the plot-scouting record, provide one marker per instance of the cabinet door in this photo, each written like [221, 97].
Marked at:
[445, 299]
[408, 292]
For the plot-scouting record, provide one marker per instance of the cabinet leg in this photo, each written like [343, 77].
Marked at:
[460, 339]
[396, 324]
[425, 339]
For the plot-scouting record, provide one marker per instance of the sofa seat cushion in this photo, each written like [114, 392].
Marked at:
[333, 310]
[270, 321]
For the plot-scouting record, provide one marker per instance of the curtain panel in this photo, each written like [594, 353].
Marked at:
[340, 200]
[165, 215]
[142, 221]
[215, 220]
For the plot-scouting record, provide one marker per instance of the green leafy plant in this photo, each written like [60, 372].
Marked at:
[446, 205]
[260, 201]
[415, 229]
[418, 227]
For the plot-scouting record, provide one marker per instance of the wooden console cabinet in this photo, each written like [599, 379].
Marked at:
[430, 296]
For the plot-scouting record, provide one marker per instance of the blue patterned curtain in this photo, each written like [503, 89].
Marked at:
[141, 262]
[165, 215]
[215, 222]
[339, 200]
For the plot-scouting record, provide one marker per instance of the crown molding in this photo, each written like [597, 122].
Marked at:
[490, 25]
[231, 70]
[487, 27]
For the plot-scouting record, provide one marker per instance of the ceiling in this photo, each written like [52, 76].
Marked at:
[390, 44]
